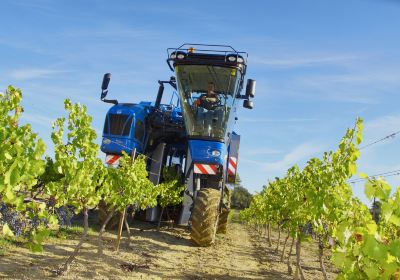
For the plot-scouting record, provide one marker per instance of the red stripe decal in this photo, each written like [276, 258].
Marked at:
[213, 167]
[202, 169]
[209, 169]
[231, 162]
[113, 159]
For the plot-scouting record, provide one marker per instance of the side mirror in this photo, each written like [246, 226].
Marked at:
[104, 85]
[248, 104]
[251, 88]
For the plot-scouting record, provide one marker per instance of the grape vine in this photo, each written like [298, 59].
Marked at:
[318, 201]
[23, 206]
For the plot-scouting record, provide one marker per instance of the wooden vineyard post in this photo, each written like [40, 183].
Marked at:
[122, 217]
[120, 226]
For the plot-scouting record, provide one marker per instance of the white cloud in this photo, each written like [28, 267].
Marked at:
[357, 87]
[377, 78]
[262, 152]
[288, 120]
[32, 73]
[37, 119]
[112, 31]
[297, 155]
[381, 127]
[301, 61]
[387, 122]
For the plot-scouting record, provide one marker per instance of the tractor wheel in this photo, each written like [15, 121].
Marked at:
[103, 213]
[223, 221]
[205, 216]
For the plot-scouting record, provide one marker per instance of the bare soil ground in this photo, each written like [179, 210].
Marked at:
[168, 254]
[270, 260]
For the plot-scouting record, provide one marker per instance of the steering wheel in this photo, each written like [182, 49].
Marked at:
[207, 104]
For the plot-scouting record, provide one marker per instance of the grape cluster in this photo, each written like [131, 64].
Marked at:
[13, 219]
[65, 215]
[308, 229]
[35, 222]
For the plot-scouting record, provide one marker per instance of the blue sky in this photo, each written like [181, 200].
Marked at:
[318, 65]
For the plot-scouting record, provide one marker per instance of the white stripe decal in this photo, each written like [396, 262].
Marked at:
[112, 159]
[232, 169]
[204, 169]
[196, 169]
[208, 169]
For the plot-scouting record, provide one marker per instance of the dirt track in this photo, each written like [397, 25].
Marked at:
[168, 254]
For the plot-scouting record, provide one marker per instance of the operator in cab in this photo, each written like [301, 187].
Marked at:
[210, 100]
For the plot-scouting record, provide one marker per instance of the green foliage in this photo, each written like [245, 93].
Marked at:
[171, 189]
[128, 185]
[371, 250]
[319, 195]
[75, 176]
[7, 231]
[240, 198]
[50, 174]
[20, 151]
[21, 164]
[76, 160]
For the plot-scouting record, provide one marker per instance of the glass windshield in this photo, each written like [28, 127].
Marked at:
[207, 94]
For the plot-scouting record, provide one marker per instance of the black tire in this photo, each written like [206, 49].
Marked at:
[205, 216]
[103, 213]
[223, 221]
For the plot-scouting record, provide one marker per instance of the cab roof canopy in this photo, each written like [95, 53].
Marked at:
[201, 54]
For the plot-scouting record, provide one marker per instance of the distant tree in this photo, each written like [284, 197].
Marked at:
[241, 197]
[238, 181]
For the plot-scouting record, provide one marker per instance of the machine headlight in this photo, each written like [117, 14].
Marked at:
[232, 58]
[240, 60]
[173, 56]
[215, 153]
[180, 56]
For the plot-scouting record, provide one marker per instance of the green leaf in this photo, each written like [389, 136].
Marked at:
[14, 177]
[394, 248]
[374, 249]
[372, 227]
[53, 220]
[342, 260]
[389, 269]
[383, 191]
[19, 204]
[35, 248]
[358, 139]
[372, 272]
[40, 236]
[10, 195]
[40, 149]
[394, 219]
[359, 124]
[7, 232]
[369, 190]
[352, 168]
[386, 210]
[8, 156]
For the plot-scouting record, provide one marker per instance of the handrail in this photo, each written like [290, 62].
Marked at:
[229, 49]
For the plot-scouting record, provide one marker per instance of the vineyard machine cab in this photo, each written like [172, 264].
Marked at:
[192, 132]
